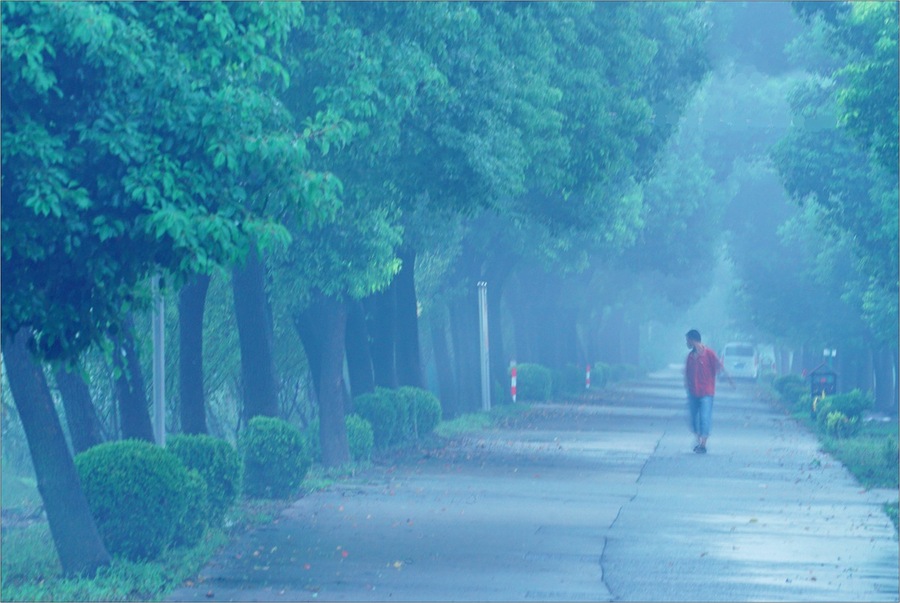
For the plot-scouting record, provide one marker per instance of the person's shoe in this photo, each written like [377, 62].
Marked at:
[697, 448]
[700, 449]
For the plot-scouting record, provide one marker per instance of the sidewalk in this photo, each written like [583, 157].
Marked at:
[596, 501]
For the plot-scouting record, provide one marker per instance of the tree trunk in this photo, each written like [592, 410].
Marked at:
[464, 321]
[885, 381]
[382, 328]
[408, 357]
[332, 428]
[443, 364]
[191, 305]
[74, 532]
[359, 357]
[254, 324]
[131, 393]
[81, 416]
[497, 275]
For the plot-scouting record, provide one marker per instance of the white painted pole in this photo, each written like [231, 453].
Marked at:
[485, 356]
[159, 364]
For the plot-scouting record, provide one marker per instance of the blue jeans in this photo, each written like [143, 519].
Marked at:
[700, 414]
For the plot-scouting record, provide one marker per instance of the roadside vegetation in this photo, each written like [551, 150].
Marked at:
[30, 569]
[868, 448]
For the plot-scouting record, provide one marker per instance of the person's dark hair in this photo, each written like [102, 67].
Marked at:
[693, 335]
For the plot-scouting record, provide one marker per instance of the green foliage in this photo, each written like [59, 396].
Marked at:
[276, 458]
[399, 416]
[600, 374]
[382, 410]
[781, 383]
[138, 495]
[31, 571]
[217, 462]
[569, 380]
[360, 437]
[534, 383]
[839, 416]
[196, 518]
[423, 408]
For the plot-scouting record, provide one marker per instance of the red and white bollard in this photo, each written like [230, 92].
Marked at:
[512, 386]
[587, 377]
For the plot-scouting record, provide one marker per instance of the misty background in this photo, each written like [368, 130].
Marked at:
[741, 210]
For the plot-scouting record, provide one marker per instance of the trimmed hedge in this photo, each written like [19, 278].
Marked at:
[276, 458]
[219, 465]
[399, 416]
[196, 518]
[534, 382]
[423, 411]
[569, 380]
[139, 495]
[383, 412]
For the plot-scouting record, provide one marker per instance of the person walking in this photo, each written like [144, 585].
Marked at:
[700, 370]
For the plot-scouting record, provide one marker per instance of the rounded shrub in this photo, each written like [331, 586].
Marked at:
[276, 458]
[600, 373]
[217, 462]
[196, 518]
[534, 382]
[382, 409]
[423, 408]
[781, 383]
[138, 494]
[569, 380]
[852, 404]
[360, 437]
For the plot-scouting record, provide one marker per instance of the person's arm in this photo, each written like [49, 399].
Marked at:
[723, 371]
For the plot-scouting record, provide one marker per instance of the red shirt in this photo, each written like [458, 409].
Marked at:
[700, 370]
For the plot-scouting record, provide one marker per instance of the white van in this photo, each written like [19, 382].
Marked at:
[740, 360]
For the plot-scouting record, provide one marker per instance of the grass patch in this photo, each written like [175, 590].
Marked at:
[31, 571]
[870, 457]
[478, 421]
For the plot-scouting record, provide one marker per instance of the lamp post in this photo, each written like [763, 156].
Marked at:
[485, 356]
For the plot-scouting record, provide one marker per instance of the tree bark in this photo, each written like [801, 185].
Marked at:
[382, 328]
[359, 357]
[134, 411]
[81, 415]
[408, 356]
[322, 330]
[443, 365]
[885, 381]
[332, 428]
[191, 306]
[74, 532]
[464, 321]
[254, 323]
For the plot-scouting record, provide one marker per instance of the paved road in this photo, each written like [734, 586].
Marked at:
[601, 500]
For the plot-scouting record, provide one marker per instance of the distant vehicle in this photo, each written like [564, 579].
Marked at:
[766, 355]
[740, 360]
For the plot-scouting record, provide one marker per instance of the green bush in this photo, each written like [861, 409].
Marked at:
[781, 383]
[360, 438]
[838, 425]
[383, 411]
[851, 404]
[569, 380]
[276, 458]
[196, 518]
[424, 411]
[138, 494]
[600, 372]
[534, 383]
[797, 395]
[219, 465]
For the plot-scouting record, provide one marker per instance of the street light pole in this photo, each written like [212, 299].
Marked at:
[485, 356]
